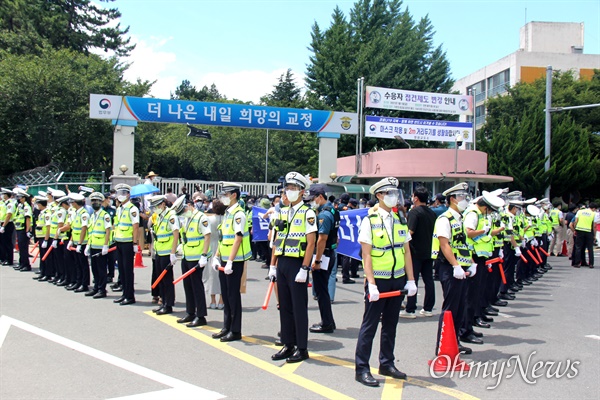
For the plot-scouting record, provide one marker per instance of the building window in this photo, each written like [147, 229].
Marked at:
[479, 91]
[498, 83]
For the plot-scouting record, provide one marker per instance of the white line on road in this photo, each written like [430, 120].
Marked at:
[179, 389]
[593, 337]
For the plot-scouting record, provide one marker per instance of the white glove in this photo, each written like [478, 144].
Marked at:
[87, 252]
[228, 267]
[1, 229]
[486, 229]
[179, 249]
[55, 243]
[518, 252]
[44, 244]
[541, 242]
[78, 248]
[502, 225]
[523, 243]
[173, 259]
[458, 272]
[501, 253]
[70, 244]
[472, 270]
[411, 287]
[29, 235]
[216, 263]
[273, 272]
[534, 242]
[301, 275]
[104, 250]
[373, 292]
[136, 248]
[203, 261]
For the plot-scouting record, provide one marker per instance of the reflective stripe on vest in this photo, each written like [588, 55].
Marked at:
[194, 239]
[291, 241]
[483, 245]
[387, 254]
[124, 227]
[460, 249]
[227, 238]
[98, 234]
[555, 217]
[77, 226]
[585, 220]
[40, 224]
[164, 235]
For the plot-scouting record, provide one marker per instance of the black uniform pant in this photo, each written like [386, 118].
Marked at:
[42, 264]
[99, 269]
[293, 303]
[583, 241]
[349, 267]
[195, 301]
[492, 283]
[49, 268]
[232, 298]
[71, 267]
[387, 310]
[474, 287]
[321, 287]
[23, 242]
[510, 262]
[545, 245]
[125, 259]
[82, 276]
[166, 288]
[110, 264]
[425, 269]
[7, 243]
[155, 273]
[58, 259]
[455, 297]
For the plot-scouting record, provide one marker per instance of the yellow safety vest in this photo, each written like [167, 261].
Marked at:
[555, 217]
[40, 224]
[387, 254]
[483, 245]
[164, 235]
[97, 235]
[227, 237]
[585, 220]
[457, 242]
[22, 210]
[2, 211]
[77, 225]
[123, 224]
[290, 239]
[194, 239]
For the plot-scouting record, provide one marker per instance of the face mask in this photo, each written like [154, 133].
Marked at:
[250, 206]
[292, 195]
[390, 200]
[122, 198]
[225, 200]
[188, 214]
[462, 205]
[96, 206]
[313, 204]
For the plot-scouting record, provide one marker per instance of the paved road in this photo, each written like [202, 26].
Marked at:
[60, 345]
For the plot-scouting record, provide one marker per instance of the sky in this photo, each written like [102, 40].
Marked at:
[244, 46]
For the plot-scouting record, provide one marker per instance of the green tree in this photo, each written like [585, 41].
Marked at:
[513, 137]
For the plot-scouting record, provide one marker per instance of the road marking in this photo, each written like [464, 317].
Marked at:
[593, 337]
[392, 388]
[179, 389]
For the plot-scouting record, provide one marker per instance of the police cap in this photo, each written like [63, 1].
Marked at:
[384, 185]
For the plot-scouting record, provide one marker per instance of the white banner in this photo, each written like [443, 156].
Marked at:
[406, 100]
[417, 129]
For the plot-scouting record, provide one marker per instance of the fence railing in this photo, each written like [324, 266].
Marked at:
[253, 188]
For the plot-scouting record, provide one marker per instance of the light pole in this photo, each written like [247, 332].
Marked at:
[267, 159]
[457, 143]
[402, 140]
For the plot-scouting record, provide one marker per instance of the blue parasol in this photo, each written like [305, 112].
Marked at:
[142, 190]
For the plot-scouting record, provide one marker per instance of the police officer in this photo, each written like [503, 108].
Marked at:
[42, 225]
[126, 234]
[195, 235]
[23, 226]
[329, 223]
[387, 263]
[59, 237]
[512, 240]
[295, 231]
[585, 228]
[453, 257]
[166, 234]
[7, 227]
[99, 234]
[50, 268]
[234, 249]
[80, 221]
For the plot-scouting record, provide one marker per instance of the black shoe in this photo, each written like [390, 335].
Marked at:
[525, 282]
[157, 309]
[478, 322]
[348, 281]
[99, 295]
[91, 293]
[117, 288]
[127, 302]
[355, 276]
[512, 290]
[198, 321]
[109, 280]
[490, 312]
[367, 379]
[187, 318]
[220, 334]
[485, 318]
[505, 296]
[62, 283]
[72, 287]
[392, 371]
[500, 303]
[81, 289]
[322, 329]
[278, 342]
[299, 355]
[36, 277]
[471, 339]
[44, 279]
[477, 334]
[285, 352]
[26, 269]
[231, 337]
[464, 350]
[493, 309]
[165, 310]
[119, 300]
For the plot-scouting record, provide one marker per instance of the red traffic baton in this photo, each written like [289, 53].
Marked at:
[502, 276]
[393, 293]
[182, 277]
[47, 253]
[268, 295]
[110, 249]
[489, 263]
[34, 246]
[72, 248]
[524, 259]
[544, 251]
[162, 275]
[538, 255]
[36, 256]
[532, 257]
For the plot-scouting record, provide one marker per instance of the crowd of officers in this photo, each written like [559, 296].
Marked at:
[485, 250]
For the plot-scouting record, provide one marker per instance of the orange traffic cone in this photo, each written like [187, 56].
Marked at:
[138, 260]
[565, 251]
[448, 356]
[17, 246]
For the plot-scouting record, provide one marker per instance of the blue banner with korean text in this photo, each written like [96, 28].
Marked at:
[260, 225]
[128, 108]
